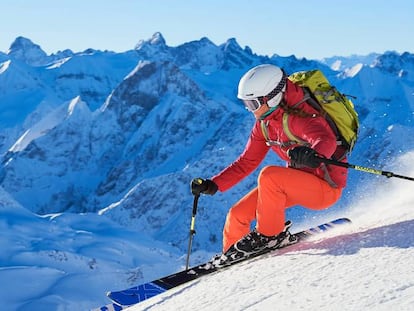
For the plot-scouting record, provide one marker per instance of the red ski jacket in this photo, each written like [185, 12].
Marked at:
[313, 130]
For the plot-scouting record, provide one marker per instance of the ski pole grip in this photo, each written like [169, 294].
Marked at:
[195, 204]
[196, 186]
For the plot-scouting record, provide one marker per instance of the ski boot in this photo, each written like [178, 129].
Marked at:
[252, 244]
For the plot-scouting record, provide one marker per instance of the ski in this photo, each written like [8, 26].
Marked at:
[124, 298]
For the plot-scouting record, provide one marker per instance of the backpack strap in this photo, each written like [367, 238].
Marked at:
[264, 127]
[289, 133]
[341, 151]
[285, 122]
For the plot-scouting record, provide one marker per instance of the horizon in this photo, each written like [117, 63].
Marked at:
[349, 27]
[217, 44]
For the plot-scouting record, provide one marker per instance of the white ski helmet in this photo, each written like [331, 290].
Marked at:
[262, 81]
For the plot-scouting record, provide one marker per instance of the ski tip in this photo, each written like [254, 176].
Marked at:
[109, 307]
[324, 227]
[342, 220]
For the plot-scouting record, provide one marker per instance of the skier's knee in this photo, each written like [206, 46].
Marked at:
[266, 173]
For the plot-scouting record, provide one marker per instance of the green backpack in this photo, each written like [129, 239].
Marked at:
[334, 106]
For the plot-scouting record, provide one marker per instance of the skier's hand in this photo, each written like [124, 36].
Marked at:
[206, 186]
[304, 156]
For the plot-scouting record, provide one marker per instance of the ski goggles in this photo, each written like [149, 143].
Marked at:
[254, 104]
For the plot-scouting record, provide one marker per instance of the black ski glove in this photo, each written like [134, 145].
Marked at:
[206, 186]
[304, 156]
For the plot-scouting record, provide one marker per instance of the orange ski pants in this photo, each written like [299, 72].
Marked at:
[278, 189]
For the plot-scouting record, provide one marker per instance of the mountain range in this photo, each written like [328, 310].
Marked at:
[123, 134]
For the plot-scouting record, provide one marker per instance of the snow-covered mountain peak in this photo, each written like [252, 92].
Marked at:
[76, 105]
[155, 47]
[144, 88]
[232, 46]
[237, 57]
[401, 65]
[206, 41]
[156, 40]
[26, 51]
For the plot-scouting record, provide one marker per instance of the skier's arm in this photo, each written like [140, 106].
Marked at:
[253, 154]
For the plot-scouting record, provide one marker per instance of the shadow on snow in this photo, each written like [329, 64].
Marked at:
[398, 235]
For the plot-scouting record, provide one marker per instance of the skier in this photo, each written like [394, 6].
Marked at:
[266, 91]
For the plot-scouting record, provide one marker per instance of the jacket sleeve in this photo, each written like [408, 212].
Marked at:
[253, 154]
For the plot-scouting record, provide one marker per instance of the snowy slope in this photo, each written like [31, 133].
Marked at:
[68, 261]
[368, 266]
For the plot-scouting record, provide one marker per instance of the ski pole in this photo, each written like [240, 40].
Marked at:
[365, 169]
[192, 230]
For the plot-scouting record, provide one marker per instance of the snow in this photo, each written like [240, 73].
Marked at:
[367, 266]
[39, 129]
[174, 117]
[352, 72]
[4, 66]
[48, 122]
[353, 275]
[58, 63]
[68, 261]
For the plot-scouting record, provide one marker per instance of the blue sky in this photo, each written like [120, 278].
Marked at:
[312, 29]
